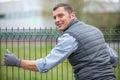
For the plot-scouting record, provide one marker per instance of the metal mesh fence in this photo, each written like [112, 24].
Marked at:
[37, 43]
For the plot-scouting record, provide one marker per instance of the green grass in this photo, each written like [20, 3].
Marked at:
[32, 51]
[117, 72]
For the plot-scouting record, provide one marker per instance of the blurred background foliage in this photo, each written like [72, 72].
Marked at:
[97, 13]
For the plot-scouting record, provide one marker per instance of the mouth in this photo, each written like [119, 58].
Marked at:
[59, 24]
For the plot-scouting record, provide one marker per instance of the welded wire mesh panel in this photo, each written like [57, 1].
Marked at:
[32, 44]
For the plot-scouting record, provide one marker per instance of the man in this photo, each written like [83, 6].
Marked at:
[83, 45]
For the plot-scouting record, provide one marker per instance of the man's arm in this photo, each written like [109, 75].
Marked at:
[65, 46]
[11, 59]
[28, 64]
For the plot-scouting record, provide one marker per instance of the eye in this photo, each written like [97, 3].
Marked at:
[54, 17]
[60, 15]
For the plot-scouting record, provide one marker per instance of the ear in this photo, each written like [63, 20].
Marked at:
[73, 16]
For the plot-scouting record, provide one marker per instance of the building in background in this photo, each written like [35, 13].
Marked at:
[22, 14]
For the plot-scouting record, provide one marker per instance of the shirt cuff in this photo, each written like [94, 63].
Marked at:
[40, 63]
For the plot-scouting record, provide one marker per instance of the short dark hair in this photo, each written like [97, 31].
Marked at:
[66, 6]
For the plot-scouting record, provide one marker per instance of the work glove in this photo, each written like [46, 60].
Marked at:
[11, 59]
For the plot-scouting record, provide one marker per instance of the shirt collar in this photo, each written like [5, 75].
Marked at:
[71, 23]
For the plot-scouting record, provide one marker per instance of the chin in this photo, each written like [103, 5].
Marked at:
[61, 29]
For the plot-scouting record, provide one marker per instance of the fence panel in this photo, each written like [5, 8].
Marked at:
[37, 43]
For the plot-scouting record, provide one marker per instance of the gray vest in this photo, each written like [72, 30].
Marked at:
[91, 59]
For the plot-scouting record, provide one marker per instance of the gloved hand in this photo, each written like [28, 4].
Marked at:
[10, 59]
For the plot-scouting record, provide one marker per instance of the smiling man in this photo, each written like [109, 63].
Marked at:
[62, 18]
[82, 44]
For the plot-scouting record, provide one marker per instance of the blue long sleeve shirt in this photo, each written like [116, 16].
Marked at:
[66, 45]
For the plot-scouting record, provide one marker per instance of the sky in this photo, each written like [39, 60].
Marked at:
[86, 0]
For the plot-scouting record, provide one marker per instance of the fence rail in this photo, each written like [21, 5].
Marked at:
[37, 43]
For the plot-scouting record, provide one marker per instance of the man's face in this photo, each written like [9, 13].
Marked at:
[62, 18]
